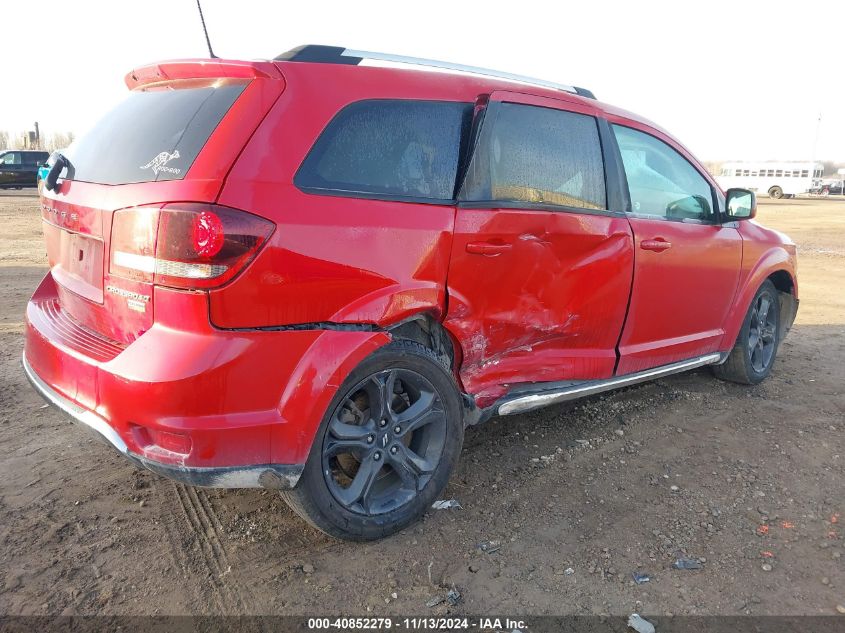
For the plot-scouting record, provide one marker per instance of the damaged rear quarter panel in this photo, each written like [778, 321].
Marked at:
[331, 258]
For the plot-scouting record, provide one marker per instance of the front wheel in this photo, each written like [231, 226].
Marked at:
[776, 193]
[753, 355]
[386, 446]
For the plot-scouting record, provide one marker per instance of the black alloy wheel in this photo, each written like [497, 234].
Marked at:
[753, 355]
[762, 333]
[386, 445]
[384, 441]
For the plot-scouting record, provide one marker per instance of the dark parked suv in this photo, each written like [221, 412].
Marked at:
[19, 167]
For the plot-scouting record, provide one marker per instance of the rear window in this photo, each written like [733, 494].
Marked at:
[392, 149]
[154, 134]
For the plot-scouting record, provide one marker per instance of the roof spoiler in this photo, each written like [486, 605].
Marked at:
[200, 69]
[338, 55]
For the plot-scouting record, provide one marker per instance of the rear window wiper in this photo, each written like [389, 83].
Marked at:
[55, 170]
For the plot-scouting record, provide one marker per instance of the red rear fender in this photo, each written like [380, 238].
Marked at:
[313, 384]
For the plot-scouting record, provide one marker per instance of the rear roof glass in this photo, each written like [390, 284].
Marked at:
[154, 134]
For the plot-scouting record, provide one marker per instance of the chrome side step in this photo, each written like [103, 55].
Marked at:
[529, 402]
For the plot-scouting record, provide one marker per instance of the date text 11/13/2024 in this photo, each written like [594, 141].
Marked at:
[486, 624]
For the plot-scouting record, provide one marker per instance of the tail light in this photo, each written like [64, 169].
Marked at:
[186, 245]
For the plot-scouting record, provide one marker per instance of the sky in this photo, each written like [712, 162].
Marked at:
[733, 80]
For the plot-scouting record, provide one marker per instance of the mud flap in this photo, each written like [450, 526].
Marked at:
[788, 310]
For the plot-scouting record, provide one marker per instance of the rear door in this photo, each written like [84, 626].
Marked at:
[542, 256]
[29, 173]
[687, 262]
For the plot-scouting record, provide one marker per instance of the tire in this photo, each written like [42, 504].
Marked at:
[753, 355]
[776, 193]
[365, 480]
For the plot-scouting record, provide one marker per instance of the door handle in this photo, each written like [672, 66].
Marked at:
[488, 248]
[657, 245]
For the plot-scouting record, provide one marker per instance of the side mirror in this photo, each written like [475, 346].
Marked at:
[741, 204]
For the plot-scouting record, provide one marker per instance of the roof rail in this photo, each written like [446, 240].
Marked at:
[339, 55]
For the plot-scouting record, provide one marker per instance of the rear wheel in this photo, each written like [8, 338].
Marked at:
[753, 355]
[776, 193]
[386, 446]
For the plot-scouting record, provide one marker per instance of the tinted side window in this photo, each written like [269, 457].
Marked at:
[389, 148]
[11, 158]
[538, 155]
[31, 159]
[661, 181]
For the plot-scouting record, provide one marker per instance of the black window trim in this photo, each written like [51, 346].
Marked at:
[718, 217]
[612, 191]
[369, 195]
[534, 206]
[479, 115]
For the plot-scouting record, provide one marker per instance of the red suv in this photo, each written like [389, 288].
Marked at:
[311, 274]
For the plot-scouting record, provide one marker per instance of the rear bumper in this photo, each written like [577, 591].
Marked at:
[205, 406]
[276, 476]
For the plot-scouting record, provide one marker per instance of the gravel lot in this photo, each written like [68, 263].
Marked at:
[559, 506]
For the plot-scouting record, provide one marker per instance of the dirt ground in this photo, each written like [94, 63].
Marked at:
[559, 507]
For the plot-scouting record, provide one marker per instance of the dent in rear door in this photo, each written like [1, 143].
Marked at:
[540, 273]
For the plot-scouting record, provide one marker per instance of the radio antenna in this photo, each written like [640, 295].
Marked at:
[205, 30]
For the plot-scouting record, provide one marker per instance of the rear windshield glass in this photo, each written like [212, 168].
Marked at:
[154, 134]
[393, 149]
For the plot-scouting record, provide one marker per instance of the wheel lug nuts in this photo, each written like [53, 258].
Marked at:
[383, 423]
[370, 439]
[393, 450]
[397, 429]
[376, 456]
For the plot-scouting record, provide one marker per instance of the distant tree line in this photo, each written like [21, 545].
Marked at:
[49, 142]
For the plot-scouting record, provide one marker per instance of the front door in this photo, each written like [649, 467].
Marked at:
[686, 262]
[541, 268]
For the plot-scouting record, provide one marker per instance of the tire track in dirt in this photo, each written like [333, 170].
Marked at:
[282, 547]
[197, 541]
[196, 544]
